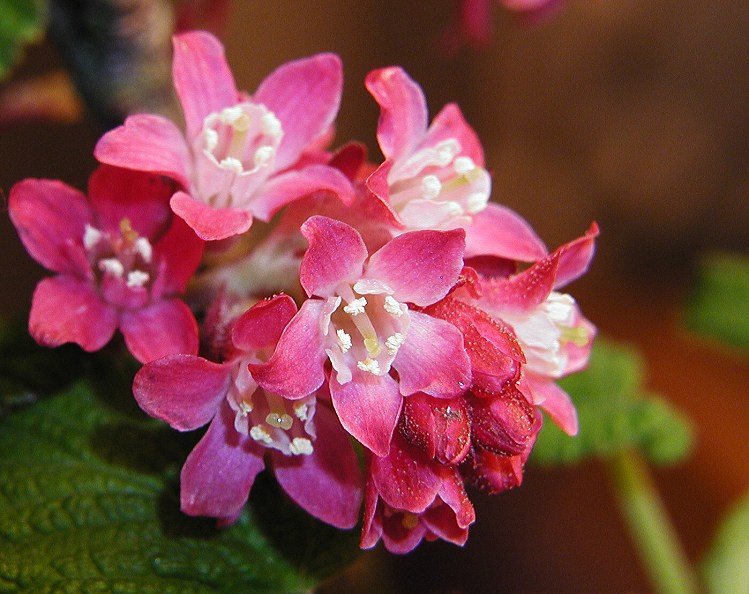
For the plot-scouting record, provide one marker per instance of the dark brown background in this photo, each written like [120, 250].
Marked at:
[630, 112]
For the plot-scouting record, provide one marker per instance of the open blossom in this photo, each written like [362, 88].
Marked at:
[121, 259]
[310, 454]
[237, 157]
[361, 317]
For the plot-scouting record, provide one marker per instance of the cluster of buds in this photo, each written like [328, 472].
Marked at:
[376, 334]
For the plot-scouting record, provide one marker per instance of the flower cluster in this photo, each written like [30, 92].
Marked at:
[371, 333]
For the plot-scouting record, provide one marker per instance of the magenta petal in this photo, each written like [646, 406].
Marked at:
[147, 143]
[372, 521]
[328, 483]
[50, 217]
[66, 309]
[296, 367]
[261, 325]
[304, 95]
[420, 266]
[210, 223]
[575, 257]
[498, 231]
[336, 254]
[403, 111]
[183, 390]
[555, 402]
[432, 359]
[202, 78]
[368, 407]
[450, 123]
[218, 474]
[294, 184]
[166, 327]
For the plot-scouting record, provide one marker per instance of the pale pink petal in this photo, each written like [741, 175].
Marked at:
[261, 325]
[432, 359]
[304, 95]
[183, 390]
[419, 266]
[450, 123]
[296, 367]
[202, 78]
[218, 474]
[368, 407]
[181, 250]
[297, 183]
[555, 402]
[210, 223]
[336, 254]
[147, 143]
[50, 218]
[166, 327]
[66, 309]
[498, 231]
[328, 483]
[403, 111]
[575, 257]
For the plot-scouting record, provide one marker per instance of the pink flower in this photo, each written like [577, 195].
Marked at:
[311, 455]
[120, 258]
[237, 157]
[434, 178]
[363, 317]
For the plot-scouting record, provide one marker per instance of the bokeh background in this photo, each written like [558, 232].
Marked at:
[632, 113]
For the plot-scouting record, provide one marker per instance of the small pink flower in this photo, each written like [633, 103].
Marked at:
[237, 156]
[363, 317]
[120, 257]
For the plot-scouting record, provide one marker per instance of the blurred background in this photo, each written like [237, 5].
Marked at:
[628, 112]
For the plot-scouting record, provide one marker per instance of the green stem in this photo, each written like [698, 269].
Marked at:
[655, 538]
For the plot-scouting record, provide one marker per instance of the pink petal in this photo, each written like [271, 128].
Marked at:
[202, 78]
[66, 309]
[438, 427]
[183, 390]
[147, 143]
[328, 483]
[498, 231]
[450, 123]
[403, 111]
[555, 402]
[304, 95]
[296, 367]
[368, 407]
[297, 183]
[420, 266]
[336, 254]
[218, 474]
[575, 257]
[261, 325]
[504, 423]
[210, 223]
[454, 494]
[372, 522]
[432, 359]
[50, 218]
[524, 291]
[166, 327]
[181, 251]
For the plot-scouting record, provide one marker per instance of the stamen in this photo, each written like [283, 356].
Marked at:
[229, 115]
[137, 278]
[300, 410]
[393, 307]
[372, 345]
[112, 266]
[259, 433]
[301, 446]
[431, 186]
[394, 342]
[232, 164]
[446, 151]
[356, 307]
[143, 247]
[210, 138]
[245, 408]
[369, 365]
[476, 202]
[91, 236]
[455, 209]
[270, 125]
[578, 336]
[283, 421]
[263, 155]
[463, 165]
[344, 340]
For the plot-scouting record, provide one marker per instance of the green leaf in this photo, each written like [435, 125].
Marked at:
[719, 305]
[21, 22]
[726, 565]
[615, 414]
[89, 503]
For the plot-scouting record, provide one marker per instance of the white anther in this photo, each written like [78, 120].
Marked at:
[344, 340]
[232, 164]
[91, 237]
[112, 266]
[245, 408]
[431, 186]
[446, 151]
[259, 433]
[476, 202]
[454, 209]
[270, 125]
[229, 115]
[301, 446]
[283, 421]
[210, 138]
[263, 155]
[143, 247]
[394, 342]
[369, 365]
[137, 278]
[393, 307]
[300, 410]
[356, 307]
[463, 165]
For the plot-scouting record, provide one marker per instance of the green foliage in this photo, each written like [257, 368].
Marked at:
[726, 566]
[615, 414]
[21, 22]
[89, 502]
[719, 304]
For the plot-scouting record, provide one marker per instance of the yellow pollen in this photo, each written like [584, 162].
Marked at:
[283, 421]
